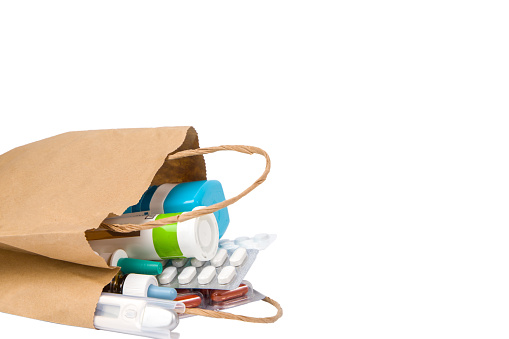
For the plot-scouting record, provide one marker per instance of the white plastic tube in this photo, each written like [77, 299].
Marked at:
[147, 317]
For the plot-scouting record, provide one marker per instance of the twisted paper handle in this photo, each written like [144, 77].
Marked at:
[126, 228]
[226, 315]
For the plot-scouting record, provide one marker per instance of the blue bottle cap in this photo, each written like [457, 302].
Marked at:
[186, 196]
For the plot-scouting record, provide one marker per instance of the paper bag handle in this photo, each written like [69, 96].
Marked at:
[231, 316]
[126, 228]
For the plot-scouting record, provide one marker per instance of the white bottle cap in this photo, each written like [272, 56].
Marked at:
[118, 254]
[199, 238]
[137, 284]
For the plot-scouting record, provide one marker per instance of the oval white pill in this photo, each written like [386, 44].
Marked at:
[179, 262]
[197, 263]
[169, 273]
[238, 257]
[206, 275]
[187, 275]
[227, 274]
[219, 258]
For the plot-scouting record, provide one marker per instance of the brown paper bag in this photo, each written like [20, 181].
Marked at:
[53, 190]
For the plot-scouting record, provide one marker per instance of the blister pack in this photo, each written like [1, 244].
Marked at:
[217, 300]
[224, 272]
[258, 242]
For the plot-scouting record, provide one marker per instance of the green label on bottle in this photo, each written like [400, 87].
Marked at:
[165, 239]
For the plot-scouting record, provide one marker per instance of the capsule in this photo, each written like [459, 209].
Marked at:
[222, 295]
[190, 300]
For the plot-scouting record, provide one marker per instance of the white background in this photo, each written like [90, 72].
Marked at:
[386, 122]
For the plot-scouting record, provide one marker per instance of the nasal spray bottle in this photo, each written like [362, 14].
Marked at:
[184, 197]
[196, 238]
[136, 303]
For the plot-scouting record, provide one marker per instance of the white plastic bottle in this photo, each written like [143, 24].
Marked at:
[196, 238]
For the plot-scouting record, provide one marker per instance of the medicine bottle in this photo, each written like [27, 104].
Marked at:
[139, 285]
[196, 238]
[184, 197]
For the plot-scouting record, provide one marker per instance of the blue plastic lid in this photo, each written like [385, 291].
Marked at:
[186, 196]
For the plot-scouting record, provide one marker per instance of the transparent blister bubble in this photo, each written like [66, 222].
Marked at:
[258, 242]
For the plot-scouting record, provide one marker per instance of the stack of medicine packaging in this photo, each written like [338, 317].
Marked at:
[141, 256]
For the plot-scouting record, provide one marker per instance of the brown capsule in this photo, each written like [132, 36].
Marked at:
[190, 300]
[222, 295]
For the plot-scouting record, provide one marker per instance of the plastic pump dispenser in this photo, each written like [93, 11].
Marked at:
[146, 317]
